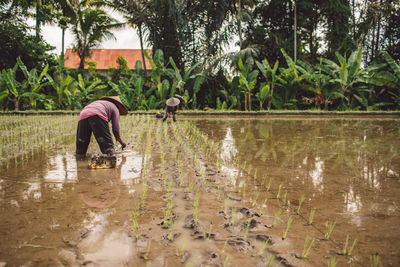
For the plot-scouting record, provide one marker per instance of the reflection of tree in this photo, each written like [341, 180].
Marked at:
[360, 153]
[39, 212]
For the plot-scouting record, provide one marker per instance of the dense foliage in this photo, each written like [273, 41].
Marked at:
[332, 55]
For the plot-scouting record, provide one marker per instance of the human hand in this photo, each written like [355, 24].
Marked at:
[123, 144]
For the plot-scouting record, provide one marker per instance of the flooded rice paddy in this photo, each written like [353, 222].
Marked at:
[203, 192]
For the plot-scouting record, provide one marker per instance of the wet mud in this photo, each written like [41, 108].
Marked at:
[211, 192]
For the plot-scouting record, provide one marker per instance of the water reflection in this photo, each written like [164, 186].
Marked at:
[318, 157]
[62, 168]
[317, 174]
[228, 153]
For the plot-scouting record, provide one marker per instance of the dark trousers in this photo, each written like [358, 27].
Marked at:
[101, 132]
[166, 116]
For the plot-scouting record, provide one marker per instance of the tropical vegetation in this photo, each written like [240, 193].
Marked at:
[333, 55]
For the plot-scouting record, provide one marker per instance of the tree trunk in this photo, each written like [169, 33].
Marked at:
[38, 17]
[378, 31]
[141, 47]
[16, 103]
[270, 97]
[245, 102]
[295, 32]
[62, 46]
[240, 26]
[59, 102]
[249, 100]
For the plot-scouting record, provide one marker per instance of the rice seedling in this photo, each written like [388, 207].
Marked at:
[232, 221]
[189, 264]
[284, 198]
[168, 211]
[170, 230]
[263, 247]
[289, 223]
[146, 254]
[223, 248]
[332, 262]
[209, 230]
[301, 200]
[263, 205]
[269, 260]
[191, 187]
[227, 260]
[277, 216]
[181, 251]
[329, 229]
[308, 243]
[143, 196]
[311, 217]
[348, 252]
[374, 260]
[279, 191]
[196, 208]
[244, 191]
[255, 199]
[135, 223]
[247, 228]
[148, 263]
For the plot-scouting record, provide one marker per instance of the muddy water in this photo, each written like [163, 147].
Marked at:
[211, 192]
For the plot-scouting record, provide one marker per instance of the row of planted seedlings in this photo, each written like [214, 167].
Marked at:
[174, 184]
[190, 141]
[144, 132]
[293, 209]
[23, 136]
[211, 150]
[282, 206]
[209, 163]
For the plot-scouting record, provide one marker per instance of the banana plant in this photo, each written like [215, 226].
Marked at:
[290, 83]
[61, 87]
[271, 77]
[5, 92]
[319, 83]
[130, 90]
[247, 80]
[392, 80]
[263, 94]
[351, 78]
[34, 82]
[150, 104]
[18, 89]
[230, 99]
[158, 72]
[180, 82]
[87, 90]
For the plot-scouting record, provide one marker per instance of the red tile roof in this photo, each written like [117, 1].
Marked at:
[106, 58]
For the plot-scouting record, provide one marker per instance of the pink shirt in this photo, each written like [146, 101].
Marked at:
[106, 110]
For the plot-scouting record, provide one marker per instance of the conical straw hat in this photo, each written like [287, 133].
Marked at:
[116, 100]
[173, 101]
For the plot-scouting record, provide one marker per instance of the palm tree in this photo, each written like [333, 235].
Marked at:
[90, 29]
[68, 17]
[136, 13]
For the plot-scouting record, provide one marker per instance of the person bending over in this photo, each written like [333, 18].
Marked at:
[171, 107]
[95, 118]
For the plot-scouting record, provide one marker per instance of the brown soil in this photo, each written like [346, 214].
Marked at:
[212, 192]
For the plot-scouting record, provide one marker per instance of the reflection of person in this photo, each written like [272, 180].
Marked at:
[99, 188]
[94, 118]
[171, 107]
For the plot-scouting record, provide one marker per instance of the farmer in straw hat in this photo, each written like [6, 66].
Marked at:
[94, 118]
[171, 107]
